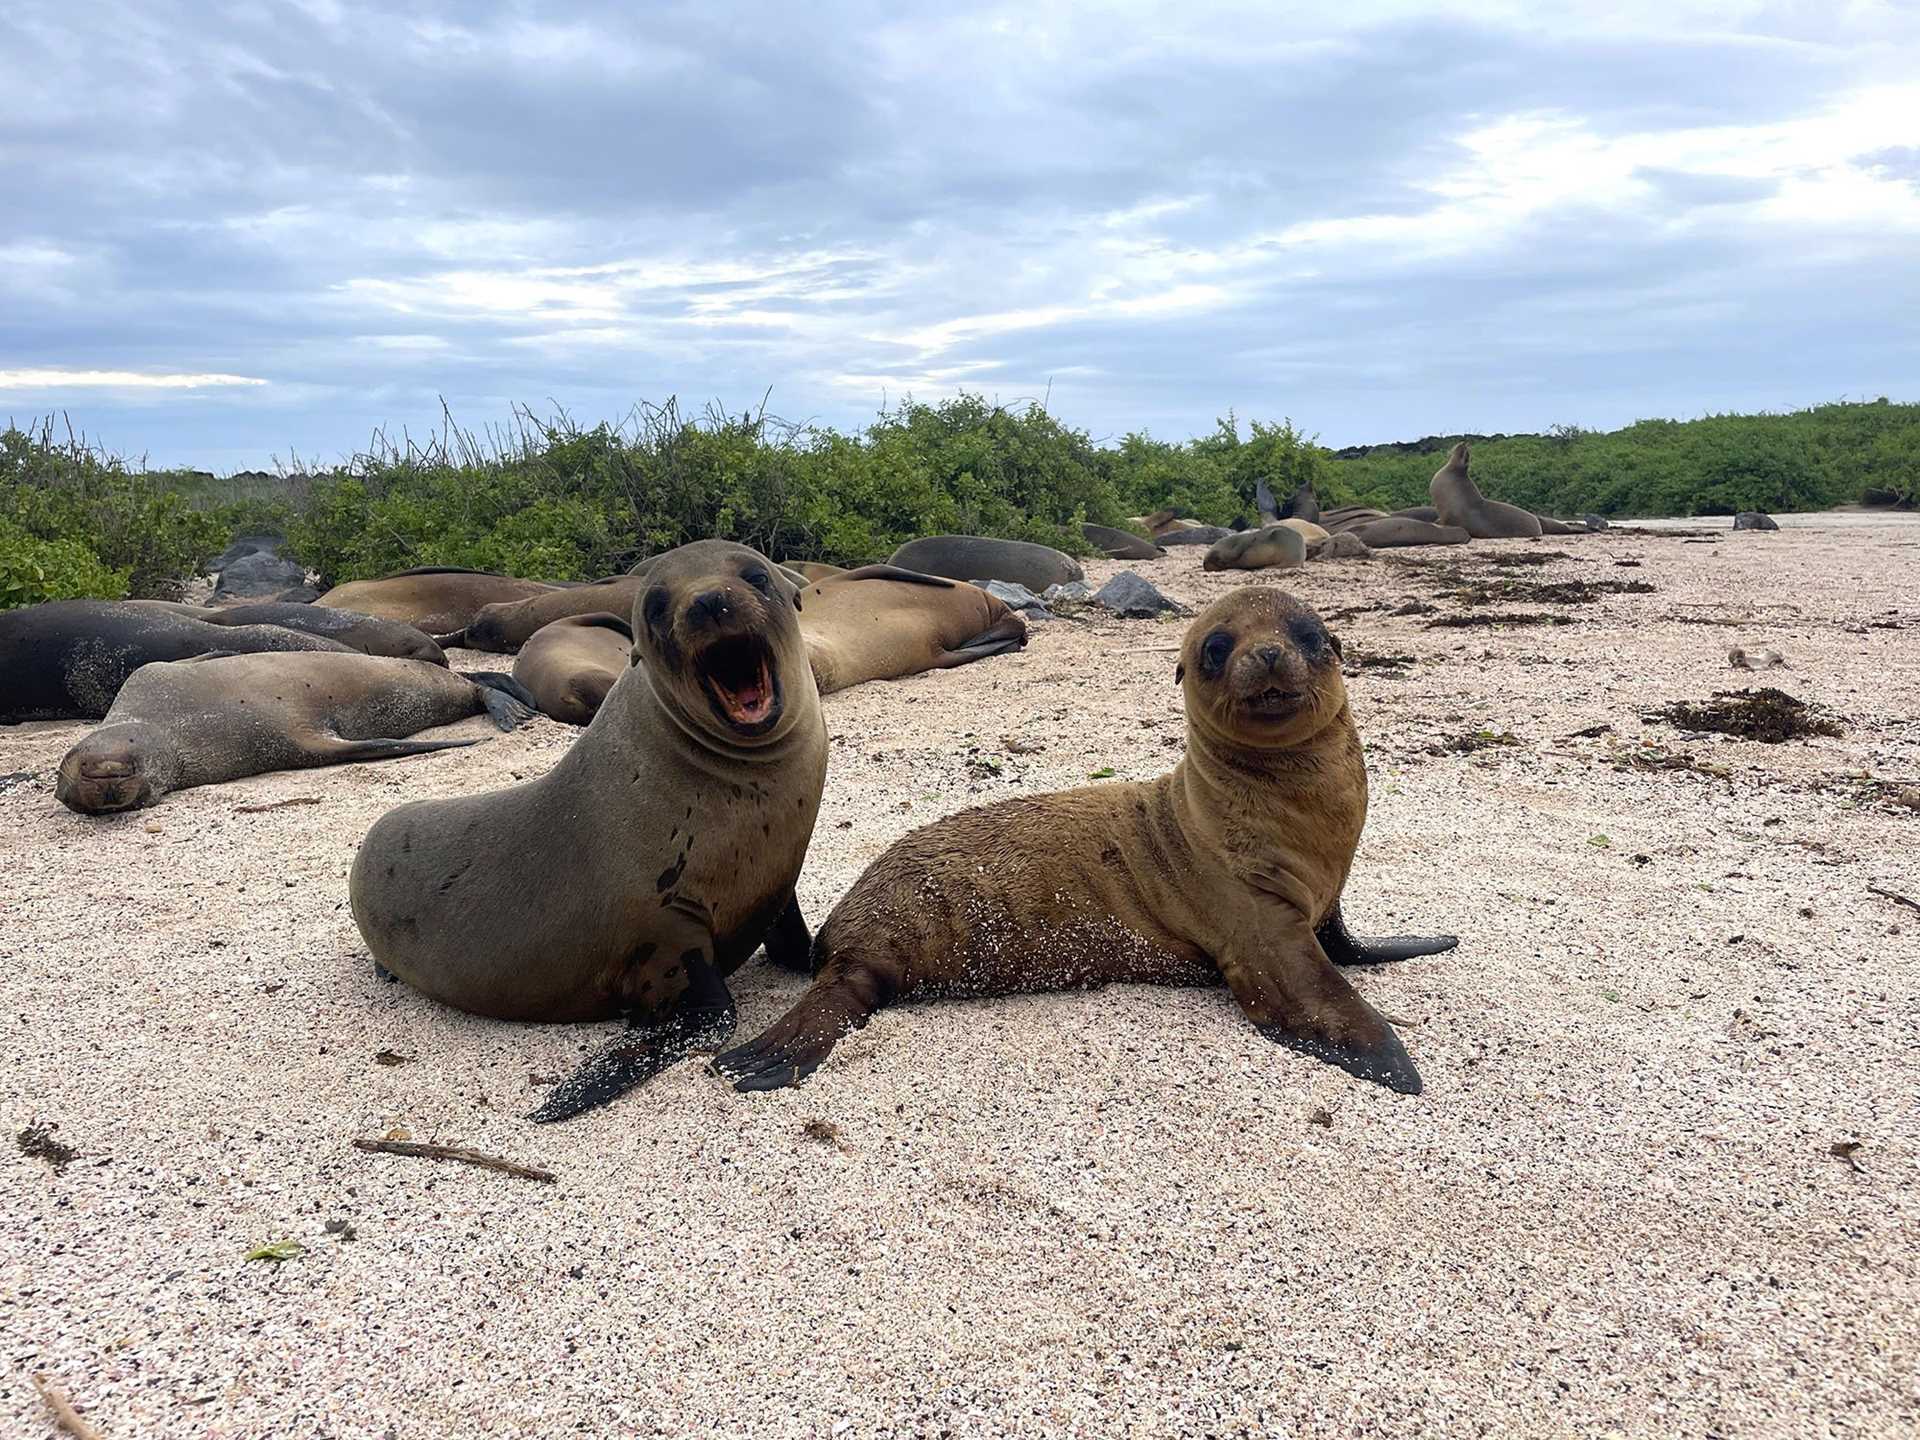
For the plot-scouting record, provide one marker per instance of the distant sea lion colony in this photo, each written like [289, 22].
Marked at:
[663, 850]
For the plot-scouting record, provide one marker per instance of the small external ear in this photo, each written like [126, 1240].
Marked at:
[1179, 672]
[1334, 641]
[633, 657]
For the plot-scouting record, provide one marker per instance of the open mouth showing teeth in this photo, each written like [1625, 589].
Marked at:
[1273, 701]
[738, 675]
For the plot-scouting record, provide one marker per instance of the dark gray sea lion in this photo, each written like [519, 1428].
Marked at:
[974, 557]
[881, 622]
[1461, 504]
[368, 634]
[1231, 867]
[1120, 544]
[67, 659]
[257, 575]
[434, 599]
[1303, 504]
[650, 862]
[1755, 520]
[214, 718]
[1196, 535]
[570, 665]
[1273, 547]
[1426, 513]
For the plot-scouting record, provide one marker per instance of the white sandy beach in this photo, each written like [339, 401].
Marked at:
[1616, 1209]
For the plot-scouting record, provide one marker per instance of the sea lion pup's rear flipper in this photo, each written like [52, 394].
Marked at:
[1293, 995]
[509, 704]
[788, 944]
[1345, 948]
[703, 1016]
[841, 1000]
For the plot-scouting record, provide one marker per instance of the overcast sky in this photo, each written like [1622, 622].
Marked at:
[229, 232]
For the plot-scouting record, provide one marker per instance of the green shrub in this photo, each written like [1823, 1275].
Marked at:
[33, 570]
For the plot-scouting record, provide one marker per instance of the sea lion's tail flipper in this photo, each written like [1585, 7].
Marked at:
[841, 1000]
[1295, 997]
[1345, 948]
[508, 702]
[450, 640]
[702, 1017]
[1009, 632]
[1263, 502]
[350, 752]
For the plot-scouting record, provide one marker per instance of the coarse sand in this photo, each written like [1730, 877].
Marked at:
[1618, 1207]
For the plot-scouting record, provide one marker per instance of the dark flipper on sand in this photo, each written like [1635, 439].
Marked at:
[1345, 948]
[509, 704]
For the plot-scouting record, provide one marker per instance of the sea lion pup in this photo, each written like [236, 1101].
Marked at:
[1273, 547]
[1120, 544]
[1230, 867]
[650, 862]
[214, 718]
[884, 623]
[67, 659]
[434, 599]
[571, 664]
[368, 634]
[1461, 504]
[976, 557]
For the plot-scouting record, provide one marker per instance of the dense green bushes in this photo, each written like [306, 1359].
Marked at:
[75, 522]
[548, 498]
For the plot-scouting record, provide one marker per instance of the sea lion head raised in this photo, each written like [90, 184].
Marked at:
[118, 767]
[718, 628]
[1261, 671]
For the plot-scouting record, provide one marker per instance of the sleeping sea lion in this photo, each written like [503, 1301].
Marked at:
[1307, 530]
[974, 557]
[1120, 544]
[1379, 530]
[214, 718]
[883, 623]
[1272, 547]
[1196, 535]
[368, 634]
[569, 664]
[505, 626]
[435, 599]
[67, 659]
[650, 862]
[1230, 867]
[1461, 504]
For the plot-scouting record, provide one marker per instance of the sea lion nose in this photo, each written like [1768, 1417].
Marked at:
[1272, 655]
[712, 607]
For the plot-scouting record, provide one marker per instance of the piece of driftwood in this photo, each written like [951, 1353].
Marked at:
[64, 1415]
[455, 1152]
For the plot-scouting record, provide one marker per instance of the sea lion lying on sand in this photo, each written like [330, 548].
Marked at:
[369, 634]
[884, 623]
[1120, 544]
[975, 557]
[67, 659]
[570, 665]
[434, 599]
[214, 718]
[1274, 546]
[1230, 867]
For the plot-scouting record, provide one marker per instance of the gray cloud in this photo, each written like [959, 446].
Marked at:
[1383, 221]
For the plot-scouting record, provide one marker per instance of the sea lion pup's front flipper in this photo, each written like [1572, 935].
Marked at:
[841, 1000]
[509, 703]
[702, 1017]
[1290, 991]
[1345, 948]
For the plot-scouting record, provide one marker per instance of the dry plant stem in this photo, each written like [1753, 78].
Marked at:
[64, 1415]
[276, 805]
[455, 1152]
[1146, 650]
[1896, 898]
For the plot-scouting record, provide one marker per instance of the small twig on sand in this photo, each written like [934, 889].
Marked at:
[1145, 650]
[454, 1152]
[64, 1415]
[276, 805]
[1890, 895]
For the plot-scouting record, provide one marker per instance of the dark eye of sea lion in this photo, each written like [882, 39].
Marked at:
[1216, 651]
[759, 580]
[1311, 636]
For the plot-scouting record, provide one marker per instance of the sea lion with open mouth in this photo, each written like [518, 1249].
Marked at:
[1231, 867]
[650, 862]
